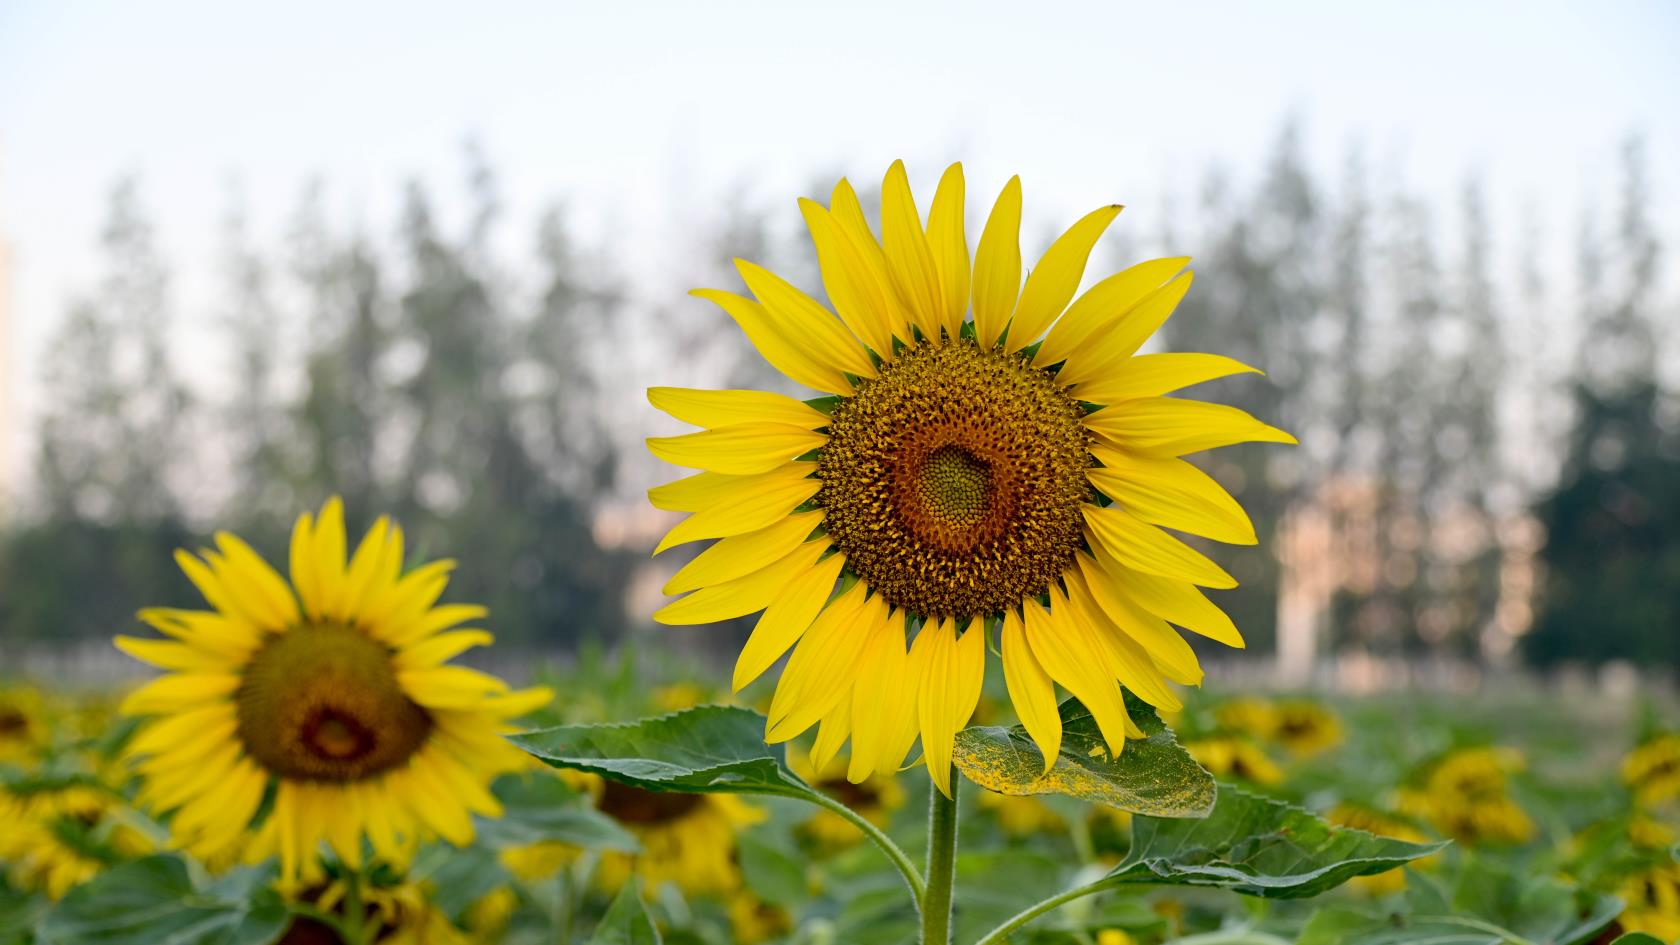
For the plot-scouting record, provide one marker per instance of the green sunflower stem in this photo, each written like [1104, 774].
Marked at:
[354, 928]
[899, 858]
[941, 864]
[1000, 934]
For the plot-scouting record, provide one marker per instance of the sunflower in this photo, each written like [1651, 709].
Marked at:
[1011, 470]
[687, 839]
[754, 921]
[59, 835]
[1465, 795]
[23, 724]
[1653, 902]
[319, 709]
[1236, 757]
[1652, 770]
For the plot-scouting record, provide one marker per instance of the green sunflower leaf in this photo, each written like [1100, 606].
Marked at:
[711, 749]
[1258, 847]
[542, 809]
[155, 900]
[1482, 903]
[627, 921]
[1153, 775]
[1636, 938]
[19, 912]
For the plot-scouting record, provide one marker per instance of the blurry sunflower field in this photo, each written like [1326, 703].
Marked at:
[1561, 830]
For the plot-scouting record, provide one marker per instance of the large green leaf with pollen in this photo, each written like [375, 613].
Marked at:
[155, 900]
[1152, 775]
[1259, 847]
[709, 749]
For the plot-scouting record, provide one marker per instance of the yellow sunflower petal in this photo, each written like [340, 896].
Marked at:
[167, 654]
[832, 733]
[218, 595]
[807, 322]
[739, 555]
[1174, 600]
[880, 679]
[1143, 547]
[1166, 648]
[777, 495]
[1030, 689]
[1105, 352]
[821, 670]
[449, 687]
[707, 489]
[949, 245]
[441, 648]
[953, 671]
[1055, 279]
[790, 613]
[859, 300]
[262, 581]
[1171, 493]
[740, 450]
[1075, 659]
[1128, 661]
[777, 344]
[847, 213]
[722, 408]
[1153, 375]
[908, 257]
[744, 595]
[328, 552]
[179, 691]
[1167, 426]
[1105, 308]
[997, 266]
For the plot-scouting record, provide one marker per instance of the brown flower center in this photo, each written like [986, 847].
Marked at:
[952, 482]
[322, 703]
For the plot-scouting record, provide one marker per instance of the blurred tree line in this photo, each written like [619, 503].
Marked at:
[1489, 468]
[427, 387]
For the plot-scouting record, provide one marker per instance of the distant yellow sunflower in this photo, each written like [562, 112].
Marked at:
[754, 921]
[59, 836]
[1236, 757]
[23, 724]
[1465, 795]
[686, 839]
[1652, 770]
[1015, 469]
[1653, 902]
[329, 693]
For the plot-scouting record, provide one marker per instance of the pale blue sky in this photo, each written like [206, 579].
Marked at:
[643, 112]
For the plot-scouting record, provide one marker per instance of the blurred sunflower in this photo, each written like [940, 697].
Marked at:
[400, 913]
[320, 709]
[1012, 469]
[58, 836]
[1465, 795]
[1022, 815]
[1233, 756]
[1653, 902]
[1305, 728]
[23, 724]
[1652, 770]
[875, 797]
[754, 921]
[687, 839]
